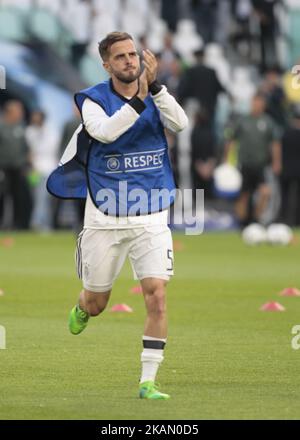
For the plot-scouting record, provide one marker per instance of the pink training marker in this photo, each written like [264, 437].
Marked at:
[294, 241]
[121, 308]
[290, 291]
[178, 245]
[136, 290]
[7, 242]
[272, 307]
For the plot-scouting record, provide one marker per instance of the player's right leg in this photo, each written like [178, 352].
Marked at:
[264, 195]
[100, 255]
[242, 208]
[242, 203]
[89, 304]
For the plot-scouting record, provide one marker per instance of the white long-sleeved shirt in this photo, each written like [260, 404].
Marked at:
[43, 143]
[107, 129]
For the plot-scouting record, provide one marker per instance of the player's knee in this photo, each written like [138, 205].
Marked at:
[96, 303]
[265, 191]
[158, 302]
[94, 309]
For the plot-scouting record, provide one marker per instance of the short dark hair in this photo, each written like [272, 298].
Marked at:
[110, 39]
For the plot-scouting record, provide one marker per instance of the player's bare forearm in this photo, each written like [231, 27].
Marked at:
[276, 157]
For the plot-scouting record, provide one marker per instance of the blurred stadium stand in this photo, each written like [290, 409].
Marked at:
[49, 51]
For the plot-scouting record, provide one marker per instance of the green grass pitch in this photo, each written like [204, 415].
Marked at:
[224, 358]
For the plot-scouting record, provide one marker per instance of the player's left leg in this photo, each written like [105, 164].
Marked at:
[241, 207]
[154, 291]
[264, 194]
[151, 254]
[155, 336]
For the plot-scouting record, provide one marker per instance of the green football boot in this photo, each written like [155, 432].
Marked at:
[78, 320]
[149, 390]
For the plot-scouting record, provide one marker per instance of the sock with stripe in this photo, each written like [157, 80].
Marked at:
[152, 357]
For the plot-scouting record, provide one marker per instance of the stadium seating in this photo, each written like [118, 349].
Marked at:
[294, 26]
[12, 24]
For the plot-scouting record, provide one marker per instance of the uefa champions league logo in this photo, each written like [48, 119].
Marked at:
[113, 164]
[135, 161]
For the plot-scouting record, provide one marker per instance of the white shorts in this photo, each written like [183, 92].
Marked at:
[101, 253]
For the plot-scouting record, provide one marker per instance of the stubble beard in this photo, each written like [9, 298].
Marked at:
[129, 77]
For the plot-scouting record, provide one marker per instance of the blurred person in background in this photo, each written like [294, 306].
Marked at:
[276, 103]
[258, 148]
[205, 15]
[43, 144]
[265, 12]
[170, 13]
[290, 175]
[201, 83]
[241, 36]
[169, 65]
[14, 164]
[203, 154]
[79, 22]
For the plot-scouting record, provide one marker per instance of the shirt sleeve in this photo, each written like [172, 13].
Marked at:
[107, 129]
[172, 114]
[232, 130]
[275, 135]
